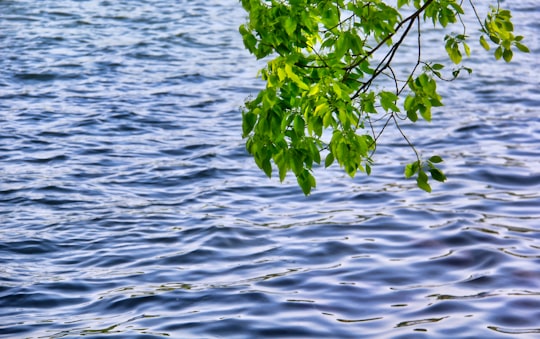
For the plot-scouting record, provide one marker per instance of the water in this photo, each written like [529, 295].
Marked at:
[129, 208]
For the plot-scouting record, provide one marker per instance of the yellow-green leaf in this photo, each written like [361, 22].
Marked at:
[484, 43]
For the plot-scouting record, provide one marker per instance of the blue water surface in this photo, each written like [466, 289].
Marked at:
[129, 207]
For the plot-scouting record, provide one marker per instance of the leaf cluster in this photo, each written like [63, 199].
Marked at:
[329, 75]
[499, 28]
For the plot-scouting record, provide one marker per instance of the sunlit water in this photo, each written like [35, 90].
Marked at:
[130, 209]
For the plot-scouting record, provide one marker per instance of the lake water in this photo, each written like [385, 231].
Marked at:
[130, 209]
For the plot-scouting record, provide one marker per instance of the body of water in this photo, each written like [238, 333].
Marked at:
[130, 209]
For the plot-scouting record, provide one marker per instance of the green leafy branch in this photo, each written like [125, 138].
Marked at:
[328, 71]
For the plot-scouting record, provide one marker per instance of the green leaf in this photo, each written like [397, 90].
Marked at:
[281, 159]
[422, 181]
[495, 39]
[290, 25]
[467, 49]
[437, 174]
[411, 169]
[454, 54]
[249, 40]
[328, 119]
[435, 102]
[329, 160]
[248, 122]
[522, 47]
[314, 90]
[425, 112]
[317, 126]
[306, 181]
[402, 3]
[388, 101]
[321, 108]
[507, 55]
[341, 46]
[443, 20]
[484, 43]
[409, 103]
[337, 89]
[357, 45]
[498, 53]
[290, 73]
[368, 103]
[266, 167]
[508, 26]
[412, 115]
[436, 159]
[299, 125]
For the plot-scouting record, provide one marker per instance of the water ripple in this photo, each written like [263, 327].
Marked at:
[130, 208]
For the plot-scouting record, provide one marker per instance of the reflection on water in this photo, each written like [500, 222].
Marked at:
[129, 207]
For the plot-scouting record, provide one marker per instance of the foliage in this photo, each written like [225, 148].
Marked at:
[330, 75]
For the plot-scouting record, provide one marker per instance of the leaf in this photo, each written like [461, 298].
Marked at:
[437, 174]
[412, 115]
[315, 153]
[484, 43]
[299, 125]
[290, 25]
[356, 43]
[467, 49]
[508, 26]
[401, 3]
[282, 161]
[266, 167]
[498, 53]
[443, 20]
[328, 119]
[411, 169]
[329, 160]
[295, 78]
[249, 40]
[457, 8]
[341, 46]
[436, 102]
[337, 89]
[314, 90]
[409, 103]
[281, 74]
[248, 122]
[368, 103]
[422, 181]
[455, 55]
[322, 108]
[425, 112]
[437, 67]
[388, 101]
[495, 39]
[522, 47]
[507, 55]
[436, 159]
[306, 181]
[317, 125]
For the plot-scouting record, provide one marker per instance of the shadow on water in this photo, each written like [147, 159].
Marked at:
[129, 207]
